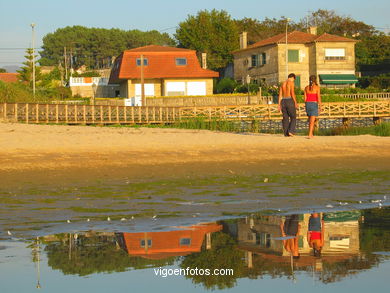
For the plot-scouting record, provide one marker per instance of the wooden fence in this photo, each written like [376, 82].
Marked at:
[100, 114]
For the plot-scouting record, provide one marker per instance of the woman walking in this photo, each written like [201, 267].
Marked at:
[312, 102]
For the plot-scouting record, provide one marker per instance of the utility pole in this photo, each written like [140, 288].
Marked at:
[142, 82]
[287, 20]
[33, 57]
[65, 64]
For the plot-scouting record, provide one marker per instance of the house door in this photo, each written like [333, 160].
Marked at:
[297, 82]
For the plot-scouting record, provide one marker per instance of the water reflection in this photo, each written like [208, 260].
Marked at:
[323, 247]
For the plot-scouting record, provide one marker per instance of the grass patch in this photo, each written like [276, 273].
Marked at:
[382, 129]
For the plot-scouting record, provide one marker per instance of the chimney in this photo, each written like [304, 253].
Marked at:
[243, 40]
[312, 30]
[204, 60]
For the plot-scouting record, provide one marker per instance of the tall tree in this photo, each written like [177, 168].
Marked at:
[94, 47]
[212, 32]
[26, 71]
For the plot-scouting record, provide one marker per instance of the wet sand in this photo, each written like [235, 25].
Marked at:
[54, 153]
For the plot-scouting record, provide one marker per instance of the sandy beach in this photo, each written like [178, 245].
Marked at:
[39, 152]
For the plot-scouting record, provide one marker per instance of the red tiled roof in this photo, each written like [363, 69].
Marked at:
[9, 77]
[333, 38]
[297, 37]
[161, 64]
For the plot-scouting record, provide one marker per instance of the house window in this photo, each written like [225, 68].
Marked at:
[142, 243]
[139, 61]
[255, 60]
[181, 61]
[185, 241]
[334, 54]
[293, 55]
[263, 58]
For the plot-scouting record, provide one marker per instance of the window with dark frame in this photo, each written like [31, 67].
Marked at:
[142, 243]
[145, 62]
[181, 61]
[185, 241]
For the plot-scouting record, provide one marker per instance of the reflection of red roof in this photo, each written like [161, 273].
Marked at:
[167, 244]
[297, 37]
[9, 77]
[161, 64]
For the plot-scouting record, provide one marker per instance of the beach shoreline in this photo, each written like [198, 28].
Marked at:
[41, 153]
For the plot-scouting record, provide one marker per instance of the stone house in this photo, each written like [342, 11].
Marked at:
[167, 71]
[331, 58]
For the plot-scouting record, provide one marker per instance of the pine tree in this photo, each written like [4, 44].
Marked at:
[26, 72]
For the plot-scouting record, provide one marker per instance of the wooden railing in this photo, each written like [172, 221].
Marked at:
[88, 114]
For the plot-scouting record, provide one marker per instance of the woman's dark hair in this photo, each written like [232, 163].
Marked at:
[292, 75]
[312, 80]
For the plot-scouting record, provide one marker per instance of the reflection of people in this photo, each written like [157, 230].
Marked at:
[291, 227]
[312, 102]
[288, 105]
[315, 233]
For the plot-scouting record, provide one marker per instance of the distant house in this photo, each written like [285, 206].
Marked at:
[331, 58]
[168, 71]
[9, 77]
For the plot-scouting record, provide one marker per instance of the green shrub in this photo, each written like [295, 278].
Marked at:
[225, 85]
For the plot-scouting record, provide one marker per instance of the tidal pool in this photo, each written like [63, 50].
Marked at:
[236, 254]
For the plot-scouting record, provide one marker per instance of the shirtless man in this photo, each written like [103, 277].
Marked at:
[288, 105]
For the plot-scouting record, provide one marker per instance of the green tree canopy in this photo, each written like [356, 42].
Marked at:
[95, 47]
[212, 32]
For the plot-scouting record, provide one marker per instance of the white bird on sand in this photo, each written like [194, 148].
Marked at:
[154, 217]
[329, 206]
[108, 219]
[68, 221]
[265, 180]
[9, 233]
[88, 220]
[123, 219]
[132, 217]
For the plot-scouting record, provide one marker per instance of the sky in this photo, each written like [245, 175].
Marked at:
[49, 15]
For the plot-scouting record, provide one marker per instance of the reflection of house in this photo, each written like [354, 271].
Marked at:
[159, 245]
[331, 58]
[257, 236]
[167, 71]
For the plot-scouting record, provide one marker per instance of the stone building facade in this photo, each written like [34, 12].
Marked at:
[331, 58]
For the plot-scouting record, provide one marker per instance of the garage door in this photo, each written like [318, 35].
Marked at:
[175, 88]
[148, 87]
[196, 88]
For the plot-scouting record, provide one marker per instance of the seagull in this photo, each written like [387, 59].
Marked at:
[68, 221]
[108, 219]
[88, 220]
[329, 206]
[9, 233]
[132, 217]
[154, 217]
[265, 180]
[123, 219]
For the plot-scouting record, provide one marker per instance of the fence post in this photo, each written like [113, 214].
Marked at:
[84, 114]
[47, 113]
[37, 113]
[16, 111]
[66, 114]
[117, 114]
[75, 113]
[27, 114]
[101, 114]
[57, 113]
